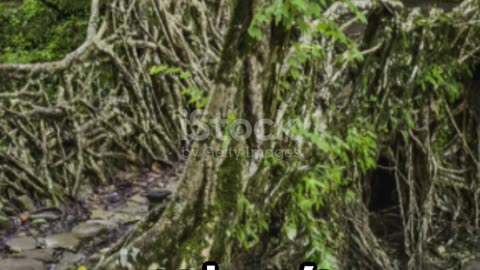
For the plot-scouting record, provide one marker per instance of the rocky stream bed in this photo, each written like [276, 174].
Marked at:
[34, 237]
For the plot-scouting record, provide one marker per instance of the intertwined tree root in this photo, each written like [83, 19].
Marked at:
[100, 111]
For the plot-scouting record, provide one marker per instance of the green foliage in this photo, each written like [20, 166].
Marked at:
[306, 17]
[443, 80]
[297, 14]
[304, 198]
[307, 196]
[423, 70]
[196, 96]
[290, 13]
[357, 151]
[253, 224]
[443, 76]
[165, 69]
[42, 30]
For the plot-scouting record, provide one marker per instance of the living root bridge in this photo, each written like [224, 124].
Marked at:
[101, 110]
[98, 111]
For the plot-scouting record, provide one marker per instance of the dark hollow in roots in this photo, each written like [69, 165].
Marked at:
[384, 208]
[383, 193]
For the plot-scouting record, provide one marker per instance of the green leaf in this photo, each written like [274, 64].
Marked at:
[409, 120]
[357, 12]
[255, 32]
[203, 102]
[158, 69]
[185, 75]
[173, 70]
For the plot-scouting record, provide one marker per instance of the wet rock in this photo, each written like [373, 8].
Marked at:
[67, 241]
[45, 255]
[101, 214]
[5, 223]
[19, 244]
[132, 208]
[16, 221]
[138, 199]
[22, 234]
[155, 197]
[92, 228]
[109, 189]
[123, 218]
[25, 203]
[33, 232]
[129, 212]
[69, 261]
[113, 197]
[21, 264]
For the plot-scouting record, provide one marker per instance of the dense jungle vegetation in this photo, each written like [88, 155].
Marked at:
[160, 134]
[35, 31]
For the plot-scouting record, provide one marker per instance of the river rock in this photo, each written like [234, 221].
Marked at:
[159, 196]
[21, 264]
[19, 244]
[138, 198]
[101, 214]
[67, 241]
[45, 255]
[132, 208]
[129, 213]
[113, 197]
[123, 218]
[69, 260]
[91, 228]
